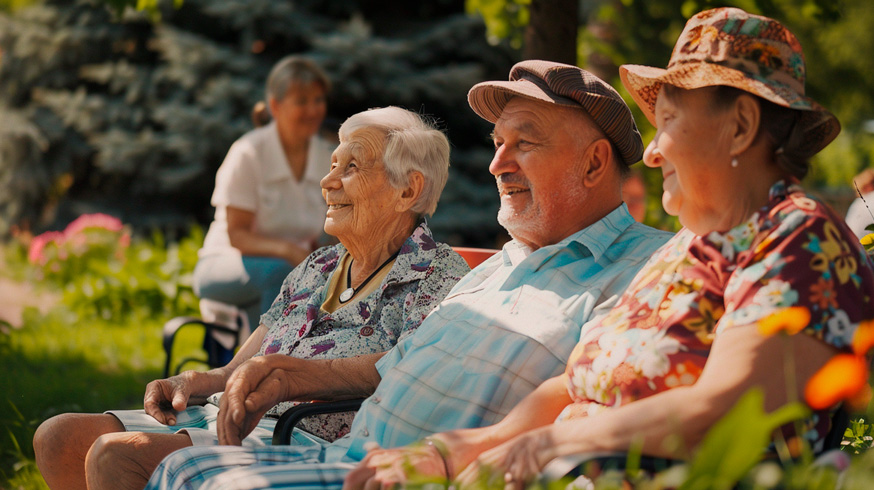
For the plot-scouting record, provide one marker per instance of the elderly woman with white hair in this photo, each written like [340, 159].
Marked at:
[336, 315]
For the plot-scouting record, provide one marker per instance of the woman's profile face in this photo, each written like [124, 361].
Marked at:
[302, 110]
[691, 146]
[361, 201]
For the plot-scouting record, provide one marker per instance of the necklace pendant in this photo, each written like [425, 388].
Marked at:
[347, 294]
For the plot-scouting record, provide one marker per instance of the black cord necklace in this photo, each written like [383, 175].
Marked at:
[349, 292]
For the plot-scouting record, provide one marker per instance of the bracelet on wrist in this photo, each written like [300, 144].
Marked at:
[442, 451]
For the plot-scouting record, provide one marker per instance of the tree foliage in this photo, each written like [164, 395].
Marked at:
[131, 117]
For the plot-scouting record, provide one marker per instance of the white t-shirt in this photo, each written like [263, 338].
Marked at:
[255, 176]
[858, 215]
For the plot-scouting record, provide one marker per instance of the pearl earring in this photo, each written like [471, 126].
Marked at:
[734, 163]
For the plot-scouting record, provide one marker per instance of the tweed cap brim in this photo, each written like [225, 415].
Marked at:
[644, 83]
[567, 86]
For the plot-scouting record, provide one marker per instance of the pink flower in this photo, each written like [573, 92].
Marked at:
[38, 244]
[96, 220]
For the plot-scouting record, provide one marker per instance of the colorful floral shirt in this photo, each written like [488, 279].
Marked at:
[423, 273]
[793, 252]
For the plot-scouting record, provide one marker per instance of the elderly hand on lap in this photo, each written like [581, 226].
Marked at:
[164, 396]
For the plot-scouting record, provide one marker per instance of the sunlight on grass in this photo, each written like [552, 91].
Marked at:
[100, 343]
[55, 365]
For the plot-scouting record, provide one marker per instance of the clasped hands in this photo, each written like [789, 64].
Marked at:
[251, 390]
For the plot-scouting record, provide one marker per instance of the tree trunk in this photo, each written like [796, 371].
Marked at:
[552, 31]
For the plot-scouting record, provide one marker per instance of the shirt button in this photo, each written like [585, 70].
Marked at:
[376, 399]
[364, 432]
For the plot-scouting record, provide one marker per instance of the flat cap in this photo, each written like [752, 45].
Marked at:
[564, 85]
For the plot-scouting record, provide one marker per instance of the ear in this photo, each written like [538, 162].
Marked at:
[599, 156]
[273, 104]
[748, 117]
[411, 194]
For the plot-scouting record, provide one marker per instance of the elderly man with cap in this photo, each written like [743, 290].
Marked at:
[563, 142]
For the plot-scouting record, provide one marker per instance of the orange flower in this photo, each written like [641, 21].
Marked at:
[790, 320]
[823, 293]
[843, 378]
[863, 338]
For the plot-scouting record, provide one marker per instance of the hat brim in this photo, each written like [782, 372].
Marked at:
[488, 99]
[644, 83]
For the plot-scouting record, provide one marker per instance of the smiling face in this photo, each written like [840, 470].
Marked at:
[692, 146]
[302, 110]
[538, 166]
[361, 201]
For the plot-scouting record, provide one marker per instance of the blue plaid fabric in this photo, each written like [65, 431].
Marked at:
[507, 326]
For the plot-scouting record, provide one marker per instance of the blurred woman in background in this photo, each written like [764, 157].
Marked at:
[269, 207]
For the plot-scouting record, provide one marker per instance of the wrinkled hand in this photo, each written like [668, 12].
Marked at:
[165, 397]
[253, 388]
[387, 468]
[511, 465]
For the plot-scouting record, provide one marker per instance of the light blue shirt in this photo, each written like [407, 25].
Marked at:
[507, 326]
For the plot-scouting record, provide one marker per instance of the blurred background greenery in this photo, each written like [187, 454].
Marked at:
[127, 107]
[106, 108]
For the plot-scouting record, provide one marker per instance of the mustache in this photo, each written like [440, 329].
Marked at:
[511, 180]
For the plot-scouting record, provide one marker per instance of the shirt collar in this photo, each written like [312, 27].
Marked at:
[413, 260]
[781, 189]
[596, 238]
[414, 257]
[276, 164]
[600, 235]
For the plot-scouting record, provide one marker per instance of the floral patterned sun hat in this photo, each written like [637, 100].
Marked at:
[728, 46]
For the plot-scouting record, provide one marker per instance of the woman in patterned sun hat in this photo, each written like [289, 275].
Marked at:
[683, 343]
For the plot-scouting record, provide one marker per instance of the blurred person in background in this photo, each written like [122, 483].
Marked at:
[269, 207]
[860, 213]
[634, 195]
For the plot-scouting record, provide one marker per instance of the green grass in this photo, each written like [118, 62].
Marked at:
[53, 365]
[101, 343]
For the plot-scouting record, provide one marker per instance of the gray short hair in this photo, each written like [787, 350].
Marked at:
[410, 143]
[291, 70]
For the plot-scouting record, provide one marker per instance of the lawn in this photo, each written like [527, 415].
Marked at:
[54, 364]
[99, 343]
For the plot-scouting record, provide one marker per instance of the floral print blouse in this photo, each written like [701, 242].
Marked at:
[793, 252]
[423, 273]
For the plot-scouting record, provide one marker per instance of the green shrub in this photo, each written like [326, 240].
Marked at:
[104, 273]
